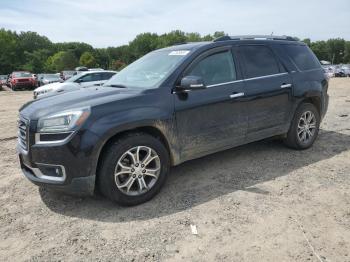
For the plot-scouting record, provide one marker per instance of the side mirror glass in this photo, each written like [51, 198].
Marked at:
[192, 83]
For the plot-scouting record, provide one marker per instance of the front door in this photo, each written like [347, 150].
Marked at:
[214, 118]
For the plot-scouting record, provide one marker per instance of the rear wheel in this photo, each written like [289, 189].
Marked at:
[133, 169]
[304, 127]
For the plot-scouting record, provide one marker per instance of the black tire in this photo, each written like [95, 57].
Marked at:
[105, 177]
[292, 140]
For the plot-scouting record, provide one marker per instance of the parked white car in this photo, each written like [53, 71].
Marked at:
[81, 80]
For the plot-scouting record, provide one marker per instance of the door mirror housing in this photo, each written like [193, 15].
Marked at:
[192, 83]
[79, 81]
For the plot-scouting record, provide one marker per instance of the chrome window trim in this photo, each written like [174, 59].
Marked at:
[248, 79]
[266, 76]
[226, 83]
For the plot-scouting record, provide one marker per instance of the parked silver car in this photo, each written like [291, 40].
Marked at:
[81, 80]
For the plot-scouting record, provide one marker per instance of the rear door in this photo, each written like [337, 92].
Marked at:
[268, 90]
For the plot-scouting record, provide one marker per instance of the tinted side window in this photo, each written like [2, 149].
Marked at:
[303, 57]
[91, 77]
[106, 76]
[215, 69]
[259, 61]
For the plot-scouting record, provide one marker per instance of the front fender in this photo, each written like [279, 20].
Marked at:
[115, 123]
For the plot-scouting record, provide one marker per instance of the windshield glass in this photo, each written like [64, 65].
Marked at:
[22, 74]
[148, 71]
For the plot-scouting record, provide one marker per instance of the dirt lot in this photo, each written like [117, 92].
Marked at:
[259, 202]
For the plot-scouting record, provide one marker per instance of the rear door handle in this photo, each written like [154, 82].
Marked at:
[286, 85]
[235, 95]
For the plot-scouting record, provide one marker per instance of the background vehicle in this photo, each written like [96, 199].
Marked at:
[96, 69]
[329, 71]
[346, 70]
[21, 79]
[3, 79]
[66, 74]
[170, 106]
[81, 80]
[44, 79]
[81, 68]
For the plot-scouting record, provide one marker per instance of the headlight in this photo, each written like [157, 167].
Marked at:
[63, 121]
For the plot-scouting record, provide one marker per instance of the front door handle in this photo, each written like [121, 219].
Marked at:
[286, 85]
[235, 95]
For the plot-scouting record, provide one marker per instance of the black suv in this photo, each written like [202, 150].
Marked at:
[170, 106]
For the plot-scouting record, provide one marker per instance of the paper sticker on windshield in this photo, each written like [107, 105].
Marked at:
[179, 52]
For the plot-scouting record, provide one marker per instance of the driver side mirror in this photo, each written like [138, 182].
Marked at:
[192, 83]
[79, 80]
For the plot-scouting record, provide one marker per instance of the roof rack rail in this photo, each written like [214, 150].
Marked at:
[255, 37]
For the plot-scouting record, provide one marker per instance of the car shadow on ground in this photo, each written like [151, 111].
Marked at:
[202, 180]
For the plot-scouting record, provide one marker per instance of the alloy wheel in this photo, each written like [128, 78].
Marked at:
[307, 127]
[137, 170]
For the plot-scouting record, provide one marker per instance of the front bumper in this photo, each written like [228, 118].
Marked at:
[74, 159]
[80, 186]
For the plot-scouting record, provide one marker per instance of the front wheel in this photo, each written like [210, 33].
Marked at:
[133, 169]
[304, 127]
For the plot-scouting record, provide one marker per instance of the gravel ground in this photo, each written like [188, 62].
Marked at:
[259, 202]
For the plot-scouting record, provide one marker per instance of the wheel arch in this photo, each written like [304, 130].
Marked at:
[314, 100]
[147, 129]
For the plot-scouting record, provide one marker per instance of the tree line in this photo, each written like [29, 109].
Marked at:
[33, 52]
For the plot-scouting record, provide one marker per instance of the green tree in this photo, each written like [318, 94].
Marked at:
[321, 50]
[87, 59]
[35, 61]
[336, 50]
[63, 60]
[9, 59]
[307, 41]
[347, 52]
[174, 37]
[143, 44]
[218, 34]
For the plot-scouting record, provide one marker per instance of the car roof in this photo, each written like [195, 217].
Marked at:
[246, 39]
[95, 71]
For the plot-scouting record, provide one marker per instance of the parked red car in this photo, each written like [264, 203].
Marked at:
[22, 79]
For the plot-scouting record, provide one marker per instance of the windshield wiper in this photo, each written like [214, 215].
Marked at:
[117, 86]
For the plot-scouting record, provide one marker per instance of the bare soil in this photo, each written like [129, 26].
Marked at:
[259, 202]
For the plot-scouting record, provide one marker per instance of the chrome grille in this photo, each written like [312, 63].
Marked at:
[23, 133]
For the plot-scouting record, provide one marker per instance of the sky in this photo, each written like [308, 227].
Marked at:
[104, 23]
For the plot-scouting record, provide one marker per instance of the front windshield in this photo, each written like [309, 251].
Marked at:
[22, 74]
[148, 71]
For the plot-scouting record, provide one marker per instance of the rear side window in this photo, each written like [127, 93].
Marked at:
[215, 69]
[259, 61]
[91, 77]
[302, 57]
[106, 76]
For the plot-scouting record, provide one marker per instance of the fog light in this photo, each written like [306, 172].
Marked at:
[51, 170]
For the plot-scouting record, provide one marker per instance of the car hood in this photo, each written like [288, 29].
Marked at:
[55, 86]
[83, 97]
